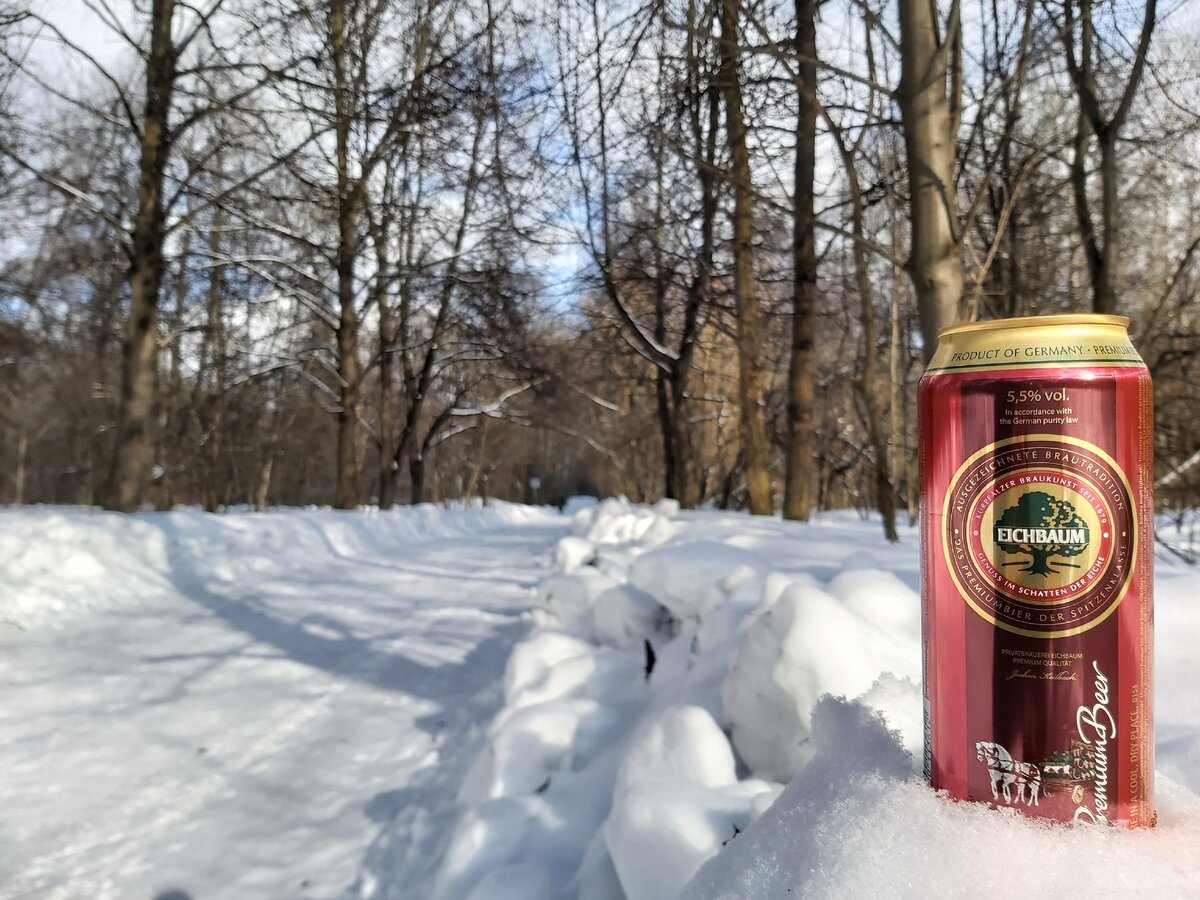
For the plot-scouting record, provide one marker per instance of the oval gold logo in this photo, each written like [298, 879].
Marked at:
[1039, 534]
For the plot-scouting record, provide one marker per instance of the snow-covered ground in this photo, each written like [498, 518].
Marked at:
[686, 667]
[247, 706]
[320, 705]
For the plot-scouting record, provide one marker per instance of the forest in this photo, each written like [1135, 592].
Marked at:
[398, 251]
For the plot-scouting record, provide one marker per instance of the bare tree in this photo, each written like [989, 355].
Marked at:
[798, 481]
[1083, 50]
[180, 49]
[755, 452]
[931, 111]
[678, 121]
[401, 244]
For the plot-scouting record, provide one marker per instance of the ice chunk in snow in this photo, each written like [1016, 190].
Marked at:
[686, 744]
[573, 552]
[850, 746]
[530, 742]
[860, 560]
[487, 837]
[783, 665]
[623, 616]
[879, 597]
[597, 878]
[676, 801]
[554, 666]
[692, 579]
[776, 583]
[666, 507]
[617, 521]
[568, 599]
[519, 881]
[658, 531]
[577, 503]
[533, 661]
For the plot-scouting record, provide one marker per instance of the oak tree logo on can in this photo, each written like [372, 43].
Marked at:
[1045, 528]
[1040, 535]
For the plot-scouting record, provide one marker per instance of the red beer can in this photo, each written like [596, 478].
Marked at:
[1037, 568]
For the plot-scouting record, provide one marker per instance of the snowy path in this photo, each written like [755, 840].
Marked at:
[296, 734]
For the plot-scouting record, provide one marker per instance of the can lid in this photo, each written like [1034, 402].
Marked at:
[1036, 322]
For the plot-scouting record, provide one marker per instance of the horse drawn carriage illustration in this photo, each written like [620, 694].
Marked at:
[1017, 781]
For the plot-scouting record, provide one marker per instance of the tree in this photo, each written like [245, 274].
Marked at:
[866, 380]
[931, 117]
[188, 77]
[1038, 510]
[755, 451]
[1102, 246]
[798, 480]
[620, 106]
[383, 257]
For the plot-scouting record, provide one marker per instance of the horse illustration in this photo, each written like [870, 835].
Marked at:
[1006, 772]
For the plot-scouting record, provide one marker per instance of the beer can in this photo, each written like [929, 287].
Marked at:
[1036, 556]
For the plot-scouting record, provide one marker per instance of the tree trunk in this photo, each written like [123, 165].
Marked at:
[662, 377]
[473, 480]
[867, 382]
[797, 498]
[666, 427]
[1104, 282]
[750, 375]
[1093, 254]
[214, 345]
[133, 454]
[416, 473]
[935, 260]
[263, 489]
[1102, 251]
[19, 476]
[868, 387]
[387, 468]
[346, 495]
[387, 482]
[346, 490]
[690, 490]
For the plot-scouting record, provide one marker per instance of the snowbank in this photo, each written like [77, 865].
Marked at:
[855, 823]
[57, 561]
[685, 666]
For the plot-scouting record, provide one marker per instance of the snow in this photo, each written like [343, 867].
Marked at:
[857, 823]
[677, 799]
[56, 562]
[783, 666]
[685, 666]
[621, 702]
[573, 552]
[277, 705]
[695, 578]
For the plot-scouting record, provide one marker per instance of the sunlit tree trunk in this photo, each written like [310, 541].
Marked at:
[755, 449]
[133, 453]
[935, 261]
[797, 498]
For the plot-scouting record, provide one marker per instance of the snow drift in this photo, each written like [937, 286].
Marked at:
[56, 561]
[684, 667]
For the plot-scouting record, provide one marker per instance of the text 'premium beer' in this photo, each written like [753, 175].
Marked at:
[1037, 531]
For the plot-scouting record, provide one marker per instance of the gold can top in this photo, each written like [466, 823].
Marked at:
[1035, 322]
[1035, 341]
